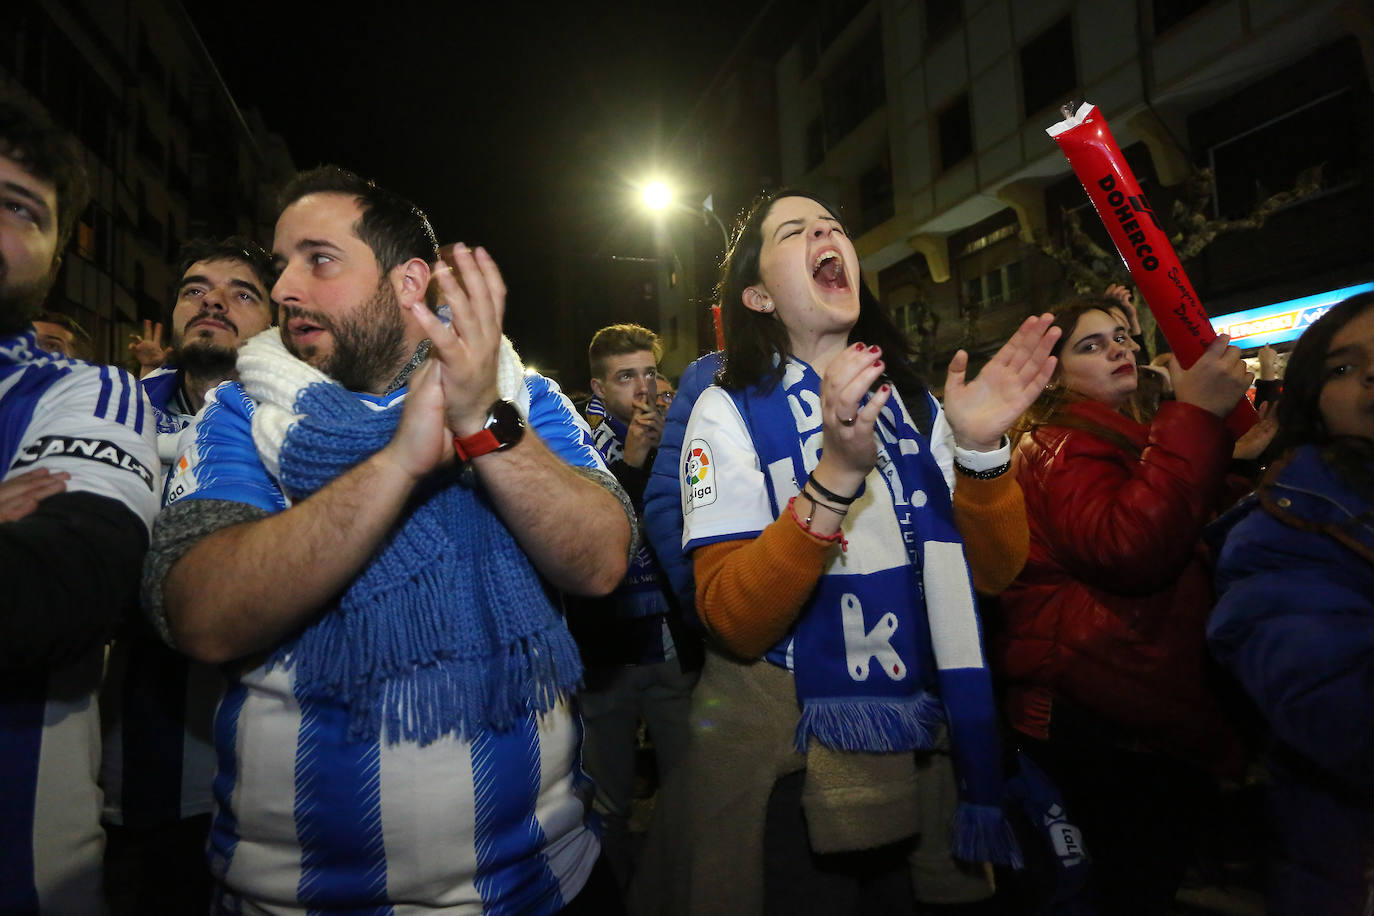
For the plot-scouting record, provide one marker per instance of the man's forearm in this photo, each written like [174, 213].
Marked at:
[71, 569]
[244, 588]
[575, 532]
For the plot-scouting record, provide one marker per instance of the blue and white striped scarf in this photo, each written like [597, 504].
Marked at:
[917, 622]
[448, 630]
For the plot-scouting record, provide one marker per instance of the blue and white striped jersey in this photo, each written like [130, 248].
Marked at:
[69, 415]
[94, 423]
[156, 705]
[308, 820]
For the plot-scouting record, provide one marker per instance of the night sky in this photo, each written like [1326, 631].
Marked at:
[517, 126]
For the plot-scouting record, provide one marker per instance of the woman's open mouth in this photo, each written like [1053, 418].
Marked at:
[828, 270]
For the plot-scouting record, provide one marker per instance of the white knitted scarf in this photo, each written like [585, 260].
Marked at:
[274, 378]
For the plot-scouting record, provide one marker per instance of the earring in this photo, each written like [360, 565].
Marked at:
[768, 306]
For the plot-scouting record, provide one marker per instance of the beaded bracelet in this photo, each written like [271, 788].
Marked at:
[842, 500]
[989, 474]
[806, 526]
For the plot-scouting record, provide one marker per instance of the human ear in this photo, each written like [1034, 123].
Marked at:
[756, 299]
[597, 389]
[410, 280]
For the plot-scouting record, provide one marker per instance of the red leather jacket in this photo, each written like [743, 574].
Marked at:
[1109, 613]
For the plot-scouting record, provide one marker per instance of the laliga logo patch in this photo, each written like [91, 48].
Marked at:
[700, 475]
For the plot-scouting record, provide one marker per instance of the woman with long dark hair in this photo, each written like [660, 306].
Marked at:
[1295, 620]
[845, 667]
[1100, 640]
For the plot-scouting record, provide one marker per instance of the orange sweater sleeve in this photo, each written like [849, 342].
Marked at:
[991, 518]
[749, 592]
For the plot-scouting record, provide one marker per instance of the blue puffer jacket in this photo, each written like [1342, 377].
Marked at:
[1295, 623]
[662, 522]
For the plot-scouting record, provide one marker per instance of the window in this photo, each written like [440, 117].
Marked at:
[828, 19]
[147, 143]
[1169, 13]
[1267, 159]
[854, 89]
[942, 17]
[810, 55]
[815, 142]
[1048, 72]
[875, 195]
[955, 126]
[1001, 284]
[173, 241]
[85, 240]
[104, 238]
[991, 238]
[148, 63]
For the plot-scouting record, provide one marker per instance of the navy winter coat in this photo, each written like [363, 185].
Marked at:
[1295, 623]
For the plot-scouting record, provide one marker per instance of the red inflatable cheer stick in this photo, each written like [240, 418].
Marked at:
[1088, 144]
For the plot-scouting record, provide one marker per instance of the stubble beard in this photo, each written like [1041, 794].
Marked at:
[205, 360]
[20, 302]
[369, 346]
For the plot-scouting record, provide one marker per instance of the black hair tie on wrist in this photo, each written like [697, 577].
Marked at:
[842, 500]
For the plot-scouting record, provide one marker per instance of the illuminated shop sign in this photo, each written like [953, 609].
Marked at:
[1283, 321]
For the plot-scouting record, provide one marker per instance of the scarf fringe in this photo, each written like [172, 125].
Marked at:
[869, 724]
[452, 696]
[448, 629]
[983, 834]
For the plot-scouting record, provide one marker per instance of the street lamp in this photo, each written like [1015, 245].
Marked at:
[659, 196]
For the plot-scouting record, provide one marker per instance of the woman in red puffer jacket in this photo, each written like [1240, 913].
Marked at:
[1100, 642]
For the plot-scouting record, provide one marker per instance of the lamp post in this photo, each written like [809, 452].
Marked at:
[659, 196]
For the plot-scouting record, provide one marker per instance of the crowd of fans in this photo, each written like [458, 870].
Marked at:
[339, 608]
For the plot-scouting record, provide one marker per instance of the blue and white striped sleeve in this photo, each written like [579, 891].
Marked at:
[95, 423]
[559, 424]
[218, 459]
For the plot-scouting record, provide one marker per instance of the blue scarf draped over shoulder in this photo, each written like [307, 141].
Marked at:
[881, 659]
[448, 630]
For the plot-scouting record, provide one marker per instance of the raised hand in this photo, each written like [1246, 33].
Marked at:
[421, 442]
[980, 411]
[1216, 381]
[1268, 363]
[849, 449]
[1123, 295]
[22, 493]
[644, 432]
[147, 347]
[1256, 439]
[467, 350]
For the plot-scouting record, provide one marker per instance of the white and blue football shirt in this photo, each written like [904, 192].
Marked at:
[94, 423]
[309, 820]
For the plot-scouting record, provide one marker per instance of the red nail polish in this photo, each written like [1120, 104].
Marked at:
[873, 349]
[858, 346]
[884, 388]
[877, 362]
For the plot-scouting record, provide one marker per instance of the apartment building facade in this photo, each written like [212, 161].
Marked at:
[170, 154]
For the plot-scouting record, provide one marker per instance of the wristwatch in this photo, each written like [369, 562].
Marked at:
[504, 428]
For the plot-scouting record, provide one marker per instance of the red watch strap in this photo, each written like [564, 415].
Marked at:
[479, 443]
